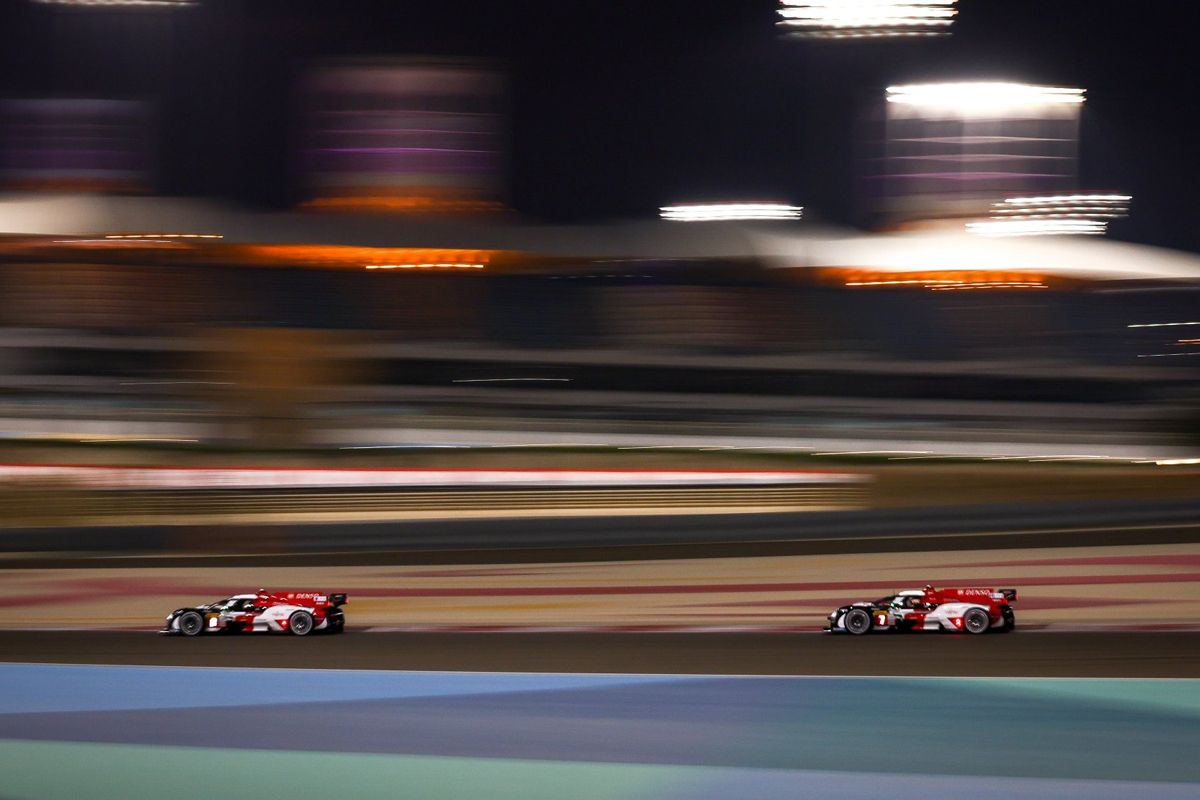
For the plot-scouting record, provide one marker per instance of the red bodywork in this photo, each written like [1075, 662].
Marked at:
[995, 600]
[929, 609]
[984, 597]
[318, 603]
[914, 609]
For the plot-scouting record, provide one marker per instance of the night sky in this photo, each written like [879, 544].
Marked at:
[618, 107]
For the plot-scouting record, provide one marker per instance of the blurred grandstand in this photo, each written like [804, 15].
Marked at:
[177, 319]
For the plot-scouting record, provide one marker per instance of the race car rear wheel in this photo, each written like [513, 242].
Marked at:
[1009, 622]
[300, 623]
[191, 623]
[857, 621]
[976, 621]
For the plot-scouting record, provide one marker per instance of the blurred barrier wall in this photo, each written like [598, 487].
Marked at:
[297, 328]
[1094, 522]
[113, 496]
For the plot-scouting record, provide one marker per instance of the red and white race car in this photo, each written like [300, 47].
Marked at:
[297, 613]
[970, 610]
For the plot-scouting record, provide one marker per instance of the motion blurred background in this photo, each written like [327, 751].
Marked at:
[327, 225]
[946, 255]
[541, 327]
[313, 224]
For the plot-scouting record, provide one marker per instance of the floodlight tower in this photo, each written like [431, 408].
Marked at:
[731, 212]
[953, 149]
[865, 19]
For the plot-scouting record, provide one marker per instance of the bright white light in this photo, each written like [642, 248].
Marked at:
[983, 98]
[1094, 207]
[1161, 324]
[1068, 198]
[426, 265]
[1050, 215]
[855, 19]
[1038, 227]
[1168, 355]
[728, 212]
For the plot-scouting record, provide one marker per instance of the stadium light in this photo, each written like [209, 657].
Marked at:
[730, 212]
[1066, 206]
[866, 19]
[1064, 214]
[983, 98]
[1038, 227]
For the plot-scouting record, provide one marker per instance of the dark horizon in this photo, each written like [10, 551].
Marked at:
[620, 107]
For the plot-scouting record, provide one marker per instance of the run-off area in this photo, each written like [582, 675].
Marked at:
[70, 731]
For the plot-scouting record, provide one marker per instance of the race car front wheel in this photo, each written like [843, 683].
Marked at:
[857, 621]
[300, 623]
[191, 623]
[976, 620]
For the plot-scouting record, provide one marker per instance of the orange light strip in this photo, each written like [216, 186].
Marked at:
[163, 236]
[937, 280]
[373, 258]
[411, 204]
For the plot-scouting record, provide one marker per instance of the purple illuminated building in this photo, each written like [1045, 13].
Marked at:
[75, 145]
[402, 134]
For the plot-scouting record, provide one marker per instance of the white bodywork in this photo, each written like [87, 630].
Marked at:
[270, 619]
[273, 619]
[940, 618]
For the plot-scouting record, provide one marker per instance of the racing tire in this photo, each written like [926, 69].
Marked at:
[300, 623]
[976, 621]
[857, 621]
[191, 623]
[1008, 623]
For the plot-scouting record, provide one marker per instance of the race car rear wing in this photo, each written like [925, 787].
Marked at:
[1009, 594]
[339, 598]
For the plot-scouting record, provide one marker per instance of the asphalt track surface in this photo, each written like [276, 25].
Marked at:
[672, 715]
[1023, 653]
[1019, 654]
